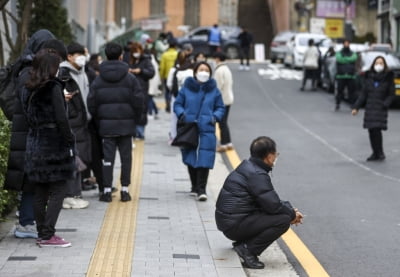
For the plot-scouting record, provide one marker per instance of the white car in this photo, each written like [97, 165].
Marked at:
[297, 46]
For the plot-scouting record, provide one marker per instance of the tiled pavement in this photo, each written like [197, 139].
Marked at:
[175, 234]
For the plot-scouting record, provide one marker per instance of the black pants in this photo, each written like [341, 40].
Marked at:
[259, 230]
[224, 128]
[110, 145]
[198, 178]
[97, 156]
[375, 138]
[310, 74]
[47, 206]
[245, 54]
[350, 84]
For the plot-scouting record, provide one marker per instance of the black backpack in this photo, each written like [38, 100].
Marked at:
[8, 86]
[175, 87]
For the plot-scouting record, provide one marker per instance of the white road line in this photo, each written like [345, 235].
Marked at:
[323, 141]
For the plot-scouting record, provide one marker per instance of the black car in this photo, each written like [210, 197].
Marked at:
[198, 37]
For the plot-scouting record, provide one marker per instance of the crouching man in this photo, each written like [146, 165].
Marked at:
[249, 210]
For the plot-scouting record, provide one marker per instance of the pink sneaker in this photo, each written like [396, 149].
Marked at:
[54, 241]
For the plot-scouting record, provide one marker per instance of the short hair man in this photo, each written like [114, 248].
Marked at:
[116, 104]
[248, 209]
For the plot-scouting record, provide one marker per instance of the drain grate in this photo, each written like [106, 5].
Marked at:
[185, 256]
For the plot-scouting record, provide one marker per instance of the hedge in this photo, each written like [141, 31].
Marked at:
[8, 199]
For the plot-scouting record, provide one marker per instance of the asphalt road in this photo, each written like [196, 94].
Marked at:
[351, 207]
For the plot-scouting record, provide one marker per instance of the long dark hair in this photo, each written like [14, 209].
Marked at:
[44, 68]
[385, 68]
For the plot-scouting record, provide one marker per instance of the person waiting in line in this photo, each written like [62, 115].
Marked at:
[116, 104]
[140, 66]
[223, 77]
[310, 65]
[249, 210]
[72, 73]
[15, 178]
[166, 63]
[200, 96]
[378, 93]
[50, 156]
[246, 40]
[346, 73]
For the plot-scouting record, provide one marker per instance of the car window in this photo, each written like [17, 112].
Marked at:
[201, 32]
[283, 36]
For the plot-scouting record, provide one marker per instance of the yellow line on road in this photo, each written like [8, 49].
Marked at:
[307, 260]
[113, 253]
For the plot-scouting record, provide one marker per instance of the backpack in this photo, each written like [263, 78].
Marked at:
[175, 87]
[8, 87]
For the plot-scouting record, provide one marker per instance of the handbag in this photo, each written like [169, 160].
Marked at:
[187, 133]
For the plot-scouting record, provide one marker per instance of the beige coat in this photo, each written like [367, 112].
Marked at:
[223, 77]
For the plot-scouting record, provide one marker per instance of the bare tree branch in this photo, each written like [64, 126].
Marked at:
[3, 3]
[11, 15]
[7, 31]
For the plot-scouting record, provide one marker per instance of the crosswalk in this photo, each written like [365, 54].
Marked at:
[279, 71]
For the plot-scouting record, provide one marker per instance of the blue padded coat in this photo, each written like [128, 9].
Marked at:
[187, 104]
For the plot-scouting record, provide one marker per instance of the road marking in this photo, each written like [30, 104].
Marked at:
[113, 253]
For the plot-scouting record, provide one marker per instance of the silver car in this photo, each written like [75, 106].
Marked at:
[278, 47]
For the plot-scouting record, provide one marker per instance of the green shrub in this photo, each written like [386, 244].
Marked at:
[8, 199]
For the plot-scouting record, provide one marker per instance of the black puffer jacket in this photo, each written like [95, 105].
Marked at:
[146, 73]
[115, 100]
[248, 189]
[378, 93]
[15, 178]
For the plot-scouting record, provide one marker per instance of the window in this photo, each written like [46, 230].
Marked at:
[192, 11]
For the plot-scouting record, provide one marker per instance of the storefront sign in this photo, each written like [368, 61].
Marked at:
[334, 28]
[335, 9]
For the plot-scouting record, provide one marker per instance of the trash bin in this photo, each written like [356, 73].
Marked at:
[259, 52]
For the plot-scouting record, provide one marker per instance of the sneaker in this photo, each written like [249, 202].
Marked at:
[241, 67]
[54, 241]
[74, 203]
[27, 231]
[247, 68]
[193, 192]
[202, 197]
[125, 197]
[106, 197]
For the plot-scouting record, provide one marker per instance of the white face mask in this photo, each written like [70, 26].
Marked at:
[378, 68]
[203, 76]
[80, 61]
[136, 55]
[275, 161]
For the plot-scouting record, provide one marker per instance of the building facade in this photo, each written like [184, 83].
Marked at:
[389, 23]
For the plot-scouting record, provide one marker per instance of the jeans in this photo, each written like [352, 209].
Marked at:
[152, 106]
[26, 215]
[139, 131]
[110, 145]
[47, 206]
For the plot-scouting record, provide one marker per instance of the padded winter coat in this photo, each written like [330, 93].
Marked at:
[115, 100]
[187, 104]
[247, 190]
[378, 93]
[50, 143]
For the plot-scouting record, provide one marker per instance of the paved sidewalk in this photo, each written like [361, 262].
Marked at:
[175, 234]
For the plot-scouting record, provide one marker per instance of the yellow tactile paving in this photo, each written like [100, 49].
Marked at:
[112, 256]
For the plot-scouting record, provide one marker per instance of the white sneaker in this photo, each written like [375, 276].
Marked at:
[27, 231]
[202, 197]
[75, 203]
[247, 68]
[241, 67]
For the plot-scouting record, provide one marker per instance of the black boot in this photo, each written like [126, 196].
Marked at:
[248, 259]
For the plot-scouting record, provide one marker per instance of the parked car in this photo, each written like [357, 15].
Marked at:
[198, 37]
[278, 47]
[298, 44]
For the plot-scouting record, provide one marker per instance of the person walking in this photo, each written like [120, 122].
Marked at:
[214, 39]
[15, 177]
[310, 65]
[140, 66]
[249, 210]
[378, 93]
[246, 40]
[166, 63]
[72, 72]
[200, 101]
[50, 147]
[346, 73]
[223, 77]
[116, 103]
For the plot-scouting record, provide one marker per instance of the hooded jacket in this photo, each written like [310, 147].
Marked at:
[15, 178]
[247, 190]
[204, 100]
[115, 100]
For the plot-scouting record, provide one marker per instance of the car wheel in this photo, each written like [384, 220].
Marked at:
[232, 52]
